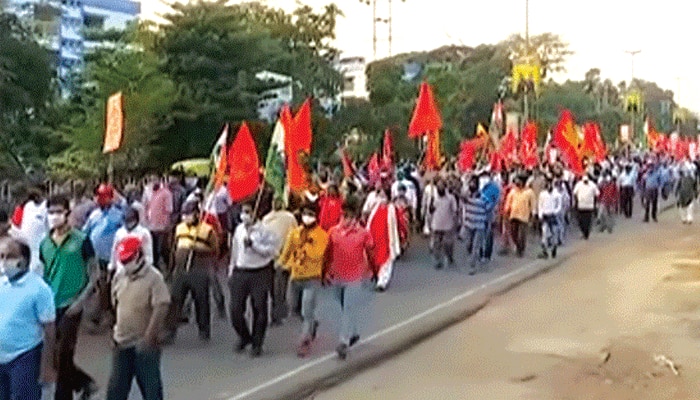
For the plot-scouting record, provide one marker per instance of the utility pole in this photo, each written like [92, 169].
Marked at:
[387, 18]
[526, 105]
[632, 113]
[374, 28]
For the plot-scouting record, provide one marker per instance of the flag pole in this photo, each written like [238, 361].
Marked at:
[110, 168]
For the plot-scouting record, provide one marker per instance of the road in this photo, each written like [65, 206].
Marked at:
[193, 370]
[590, 329]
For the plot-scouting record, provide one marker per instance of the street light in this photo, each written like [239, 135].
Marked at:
[632, 53]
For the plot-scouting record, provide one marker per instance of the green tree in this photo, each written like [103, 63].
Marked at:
[551, 50]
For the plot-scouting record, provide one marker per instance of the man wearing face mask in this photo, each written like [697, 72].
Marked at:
[475, 217]
[443, 210]
[27, 326]
[608, 202]
[68, 258]
[302, 256]
[132, 227]
[627, 180]
[196, 251]
[550, 205]
[585, 195]
[253, 250]
[141, 300]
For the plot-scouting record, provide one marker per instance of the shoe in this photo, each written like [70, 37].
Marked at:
[380, 289]
[276, 322]
[256, 352]
[241, 346]
[438, 266]
[304, 348]
[354, 340]
[314, 330]
[554, 252]
[543, 256]
[342, 351]
[472, 271]
[89, 391]
[204, 336]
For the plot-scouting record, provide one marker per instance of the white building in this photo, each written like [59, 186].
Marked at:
[354, 77]
[272, 100]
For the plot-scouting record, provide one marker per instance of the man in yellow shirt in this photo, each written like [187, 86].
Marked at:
[196, 251]
[519, 207]
[303, 255]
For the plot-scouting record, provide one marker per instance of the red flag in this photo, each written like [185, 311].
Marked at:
[593, 144]
[467, 153]
[528, 146]
[566, 140]
[508, 151]
[388, 152]
[222, 167]
[298, 146]
[373, 170]
[426, 116]
[433, 160]
[496, 162]
[244, 166]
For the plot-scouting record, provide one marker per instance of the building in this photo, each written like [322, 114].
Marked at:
[62, 26]
[270, 101]
[354, 77]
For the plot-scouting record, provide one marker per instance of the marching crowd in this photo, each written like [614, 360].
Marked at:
[131, 258]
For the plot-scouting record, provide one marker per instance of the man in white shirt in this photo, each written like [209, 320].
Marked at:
[627, 180]
[279, 221]
[549, 208]
[132, 227]
[253, 250]
[585, 195]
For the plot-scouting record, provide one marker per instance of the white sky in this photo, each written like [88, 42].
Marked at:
[599, 32]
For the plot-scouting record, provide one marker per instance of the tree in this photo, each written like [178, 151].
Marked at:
[551, 50]
[26, 85]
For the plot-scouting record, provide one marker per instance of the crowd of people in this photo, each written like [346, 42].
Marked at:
[131, 258]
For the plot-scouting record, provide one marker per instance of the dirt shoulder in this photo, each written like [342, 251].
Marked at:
[613, 323]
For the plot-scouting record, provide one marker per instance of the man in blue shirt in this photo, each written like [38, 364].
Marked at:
[652, 183]
[103, 223]
[27, 326]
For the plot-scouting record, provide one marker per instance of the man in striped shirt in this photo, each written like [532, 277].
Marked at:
[475, 217]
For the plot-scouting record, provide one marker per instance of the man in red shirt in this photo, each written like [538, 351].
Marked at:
[347, 268]
[609, 195]
[331, 208]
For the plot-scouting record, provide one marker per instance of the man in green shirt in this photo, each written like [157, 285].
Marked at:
[67, 255]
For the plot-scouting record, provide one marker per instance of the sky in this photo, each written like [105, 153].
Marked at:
[599, 32]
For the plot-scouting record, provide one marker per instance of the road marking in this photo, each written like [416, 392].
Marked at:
[381, 333]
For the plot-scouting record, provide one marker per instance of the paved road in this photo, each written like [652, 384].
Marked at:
[192, 370]
[630, 298]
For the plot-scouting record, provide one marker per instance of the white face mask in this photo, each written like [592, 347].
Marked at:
[12, 267]
[55, 220]
[308, 220]
[246, 218]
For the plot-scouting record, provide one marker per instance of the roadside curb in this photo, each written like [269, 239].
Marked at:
[327, 371]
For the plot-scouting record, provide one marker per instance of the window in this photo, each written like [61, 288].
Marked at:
[349, 84]
[93, 21]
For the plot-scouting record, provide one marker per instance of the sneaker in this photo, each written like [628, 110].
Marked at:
[256, 352]
[342, 351]
[304, 348]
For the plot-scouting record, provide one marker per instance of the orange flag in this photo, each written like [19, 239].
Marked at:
[298, 145]
[528, 146]
[115, 123]
[222, 166]
[426, 116]
[433, 159]
[566, 139]
[244, 166]
[388, 152]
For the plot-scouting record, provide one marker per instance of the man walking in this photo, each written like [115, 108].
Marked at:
[253, 251]
[27, 326]
[652, 183]
[475, 217]
[68, 258]
[549, 208]
[520, 204]
[585, 195]
[141, 300]
[627, 180]
[686, 192]
[443, 211]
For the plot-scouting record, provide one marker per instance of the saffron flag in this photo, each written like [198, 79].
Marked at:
[373, 170]
[275, 172]
[244, 165]
[219, 157]
[566, 139]
[388, 152]
[467, 153]
[426, 116]
[528, 146]
[433, 159]
[593, 144]
[650, 133]
[114, 131]
[508, 150]
[298, 147]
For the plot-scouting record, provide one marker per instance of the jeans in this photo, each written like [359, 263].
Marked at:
[280, 310]
[256, 284]
[71, 379]
[487, 250]
[129, 363]
[550, 232]
[475, 242]
[607, 218]
[19, 379]
[352, 297]
[309, 289]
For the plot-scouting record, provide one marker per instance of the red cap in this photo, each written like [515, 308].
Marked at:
[105, 194]
[128, 248]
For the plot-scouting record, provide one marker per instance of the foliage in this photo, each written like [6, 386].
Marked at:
[551, 50]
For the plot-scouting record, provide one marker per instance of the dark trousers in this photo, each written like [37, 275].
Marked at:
[585, 221]
[195, 281]
[518, 231]
[19, 379]
[255, 284]
[160, 247]
[626, 197]
[71, 379]
[487, 250]
[129, 363]
[280, 310]
[651, 203]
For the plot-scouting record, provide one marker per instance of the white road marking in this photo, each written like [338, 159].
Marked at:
[383, 332]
